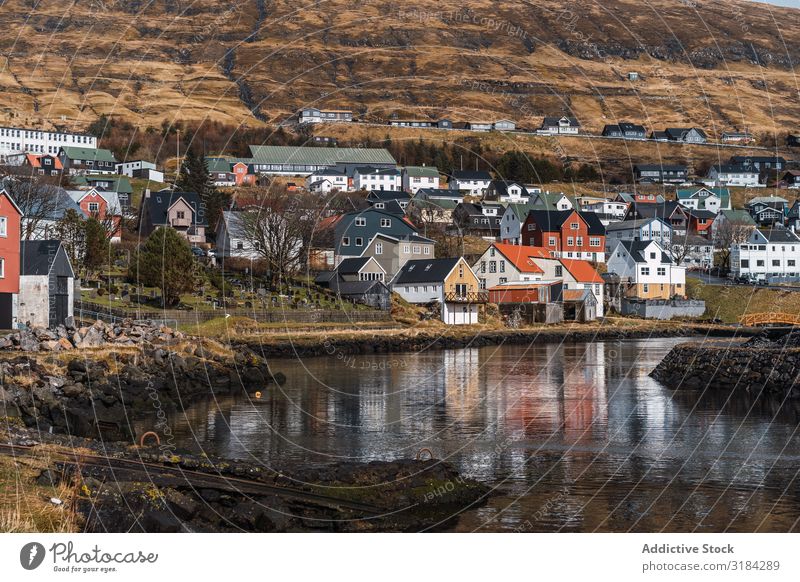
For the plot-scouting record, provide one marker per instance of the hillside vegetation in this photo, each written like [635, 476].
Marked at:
[718, 64]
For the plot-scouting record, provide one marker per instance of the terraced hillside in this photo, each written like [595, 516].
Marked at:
[715, 63]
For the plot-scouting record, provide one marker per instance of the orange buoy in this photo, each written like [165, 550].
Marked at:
[258, 395]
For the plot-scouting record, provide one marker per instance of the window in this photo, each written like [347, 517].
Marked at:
[482, 283]
[594, 242]
[359, 241]
[95, 207]
[378, 248]
[574, 226]
[426, 250]
[776, 263]
[492, 266]
[180, 214]
[570, 241]
[790, 263]
[645, 270]
[662, 271]
[361, 221]
[551, 241]
[579, 241]
[345, 241]
[386, 222]
[646, 288]
[483, 266]
[406, 249]
[759, 263]
[559, 271]
[2, 268]
[744, 264]
[239, 245]
[503, 279]
[502, 266]
[3, 226]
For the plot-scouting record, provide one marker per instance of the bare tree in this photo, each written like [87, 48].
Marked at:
[278, 231]
[728, 233]
[39, 202]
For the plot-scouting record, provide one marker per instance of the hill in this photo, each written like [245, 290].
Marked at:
[717, 64]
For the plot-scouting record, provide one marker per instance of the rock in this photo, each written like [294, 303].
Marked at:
[28, 341]
[160, 522]
[65, 343]
[210, 495]
[183, 506]
[56, 382]
[48, 478]
[73, 390]
[93, 338]
[50, 346]
[77, 365]
[6, 342]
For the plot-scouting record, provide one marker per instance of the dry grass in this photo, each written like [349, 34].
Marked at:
[730, 302]
[25, 505]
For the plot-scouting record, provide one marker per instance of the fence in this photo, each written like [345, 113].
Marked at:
[91, 311]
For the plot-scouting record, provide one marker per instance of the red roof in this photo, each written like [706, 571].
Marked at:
[522, 257]
[582, 271]
[329, 221]
[35, 161]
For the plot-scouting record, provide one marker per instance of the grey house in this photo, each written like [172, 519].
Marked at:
[686, 134]
[182, 211]
[353, 231]
[392, 253]
[360, 280]
[759, 163]
[624, 130]
[660, 174]
[46, 284]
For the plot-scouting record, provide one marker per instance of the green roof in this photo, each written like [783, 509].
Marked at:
[438, 204]
[722, 193]
[311, 156]
[521, 210]
[422, 171]
[741, 216]
[121, 184]
[218, 165]
[98, 155]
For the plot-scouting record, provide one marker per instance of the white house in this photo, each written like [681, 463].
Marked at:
[733, 175]
[418, 177]
[14, 140]
[314, 115]
[46, 284]
[607, 210]
[324, 181]
[705, 198]
[560, 126]
[644, 229]
[140, 169]
[232, 240]
[474, 183]
[507, 191]
[646, 270]
[769, 254]
[369, 178]
[693, 251]
[505, 263]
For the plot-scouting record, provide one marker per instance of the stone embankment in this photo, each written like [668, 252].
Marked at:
[765, 365]
[94, 381]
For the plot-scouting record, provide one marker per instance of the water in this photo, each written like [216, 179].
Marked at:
[572, 437]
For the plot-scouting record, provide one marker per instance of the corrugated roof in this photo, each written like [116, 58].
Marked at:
[98, 155]
[582, 271]
[523, 257]
[425, 271]
[322, 156]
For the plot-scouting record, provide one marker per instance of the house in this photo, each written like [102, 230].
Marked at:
[582, 291]
[104, 206]
[793, 140]
[141, 169]
[414, 178]
[46, 284]
[242, 176]
[560, 126]
[658, 136]
[10, 234]
[232, 239]
[793, 217]
[790, 179]
[660, 173]
[473, 183]
[413, 123]
[119, 185]
[370, 178]
[327, 180]
[693, 251]
[769, 254]
[353, 231]
[504, 263]
[644, 229]
[436, 210]
[625, 130]
[391, 253]
[686, 134]
[43, 164]
[481, 220]
[449, 282]
[768, 210]
[567, 233]
[737, 137]
[220, 171]
[479, 126]
[44, 214]
[733, 175]
[439, 195]
[79, 160]
[504, 125]
[511, 223]
[507, 191]
[305, 160]
[34, 141]
[704, 198]
[380, 199]
[646, 271]
[639, 197]
[760, 163]
[314, 115]
[551, 201]
[734, 219]
[182, 211]
[671, 212]
[607, 211]
[700, 222]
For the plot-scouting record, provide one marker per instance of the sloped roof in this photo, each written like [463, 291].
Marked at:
[550, 219]
[470, 175]
[160, 202]
[425, 271]
[636, 249]
[593, 222]
[741, 216]
[98, 155]
[523, 257]
[38, 257]
[218, 165]
[779, 235]
[582, 271]
[352, 265]
[119, 184]
[35, 161]
[388, 195]
[421, 171]
[319, 156]
[631, 224]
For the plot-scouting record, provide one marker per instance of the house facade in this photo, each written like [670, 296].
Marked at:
[314, 115]
[566, 233]
[15, 140]
[560, 126]
[392, 253]
[182, 211]
[47, 284]
[505, 263]
[644, 229]
[473, 183]
[660, 174]
[82, 160]
[415, 178]
[646, 271]
[704, 198]
[625, 130]
[734, 176]
[770, 254]
[354, 231]
[231, 238]
[104, 206]
[10, 234]
[507, 191]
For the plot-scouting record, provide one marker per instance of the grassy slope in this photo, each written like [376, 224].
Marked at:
[730, 303]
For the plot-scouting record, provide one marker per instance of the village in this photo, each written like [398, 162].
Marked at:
[321, 226]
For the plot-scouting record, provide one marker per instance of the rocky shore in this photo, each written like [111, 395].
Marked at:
[767, 365]
[112, 375]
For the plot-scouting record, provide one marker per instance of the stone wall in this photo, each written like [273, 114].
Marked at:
[660, 309]
[721, 365]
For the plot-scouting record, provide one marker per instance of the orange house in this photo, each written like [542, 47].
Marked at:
[242, 175]
[10, 218]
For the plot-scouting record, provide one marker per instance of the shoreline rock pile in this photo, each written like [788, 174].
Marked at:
[100, 333]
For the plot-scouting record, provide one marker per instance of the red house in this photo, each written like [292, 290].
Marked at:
[566, 233]
[10, 218]
[104, 206]
[700, 222]
[242, 175]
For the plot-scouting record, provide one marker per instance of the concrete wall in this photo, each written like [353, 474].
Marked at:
[656, 309]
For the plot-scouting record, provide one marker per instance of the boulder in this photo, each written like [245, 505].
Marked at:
[28, 341]
[49, 346]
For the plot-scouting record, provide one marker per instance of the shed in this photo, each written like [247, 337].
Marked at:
[47, 282]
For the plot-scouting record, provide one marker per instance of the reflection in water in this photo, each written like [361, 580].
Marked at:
[574, 437]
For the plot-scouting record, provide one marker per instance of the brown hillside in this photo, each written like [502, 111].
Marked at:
[718, 64]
